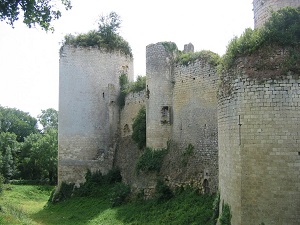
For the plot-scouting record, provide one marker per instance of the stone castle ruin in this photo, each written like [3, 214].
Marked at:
[243, 135]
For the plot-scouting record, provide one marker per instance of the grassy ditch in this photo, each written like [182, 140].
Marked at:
[26, 204]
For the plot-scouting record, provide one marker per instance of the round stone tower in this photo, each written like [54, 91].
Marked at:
[262, 9]
[159, 90]
[88, 109]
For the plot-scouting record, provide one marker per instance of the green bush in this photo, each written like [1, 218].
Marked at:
[127, 87]
[188, 58]
[65, 192]
[139, 128]
[282, 29]
[216, 209]
[123, 82]
[162, 191]
[1, 183]
[106, 37]
[120, 192]
[225, 218]
[151, 160]
[138, 85]
[113, 176]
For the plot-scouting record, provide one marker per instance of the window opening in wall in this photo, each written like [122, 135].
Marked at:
[126, 129]
[103, 94]
[165, 115]
[206, 186]
[298, 153]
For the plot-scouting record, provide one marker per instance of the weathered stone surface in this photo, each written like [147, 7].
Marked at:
[88, 110]
[263, 8]
[259, 160]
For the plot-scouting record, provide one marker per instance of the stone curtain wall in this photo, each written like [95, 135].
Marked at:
[262, 9]
[88, 112]
[259, 158]
[133, 103]
[159, 92]
[195, 122]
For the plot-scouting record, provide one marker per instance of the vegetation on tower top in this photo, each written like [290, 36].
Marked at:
[106, 37]
[281, 30]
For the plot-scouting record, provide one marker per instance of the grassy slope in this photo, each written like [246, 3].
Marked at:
[22, 201]
[185, 208]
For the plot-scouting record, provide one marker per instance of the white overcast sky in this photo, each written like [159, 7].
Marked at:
[29, 58]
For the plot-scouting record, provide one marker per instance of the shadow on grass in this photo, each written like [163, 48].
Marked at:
[77, 210]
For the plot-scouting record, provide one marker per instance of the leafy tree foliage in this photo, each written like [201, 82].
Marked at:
[40, 12]
[49, 119]
[106, 37]
[139, 128]
[138, 85]
[26, 152]
[9, 149]
[17, 122]
[39, 156]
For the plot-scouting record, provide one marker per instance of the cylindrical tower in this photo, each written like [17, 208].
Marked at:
[259, 157]
[159, 90]
[263, 8]
[88, 110]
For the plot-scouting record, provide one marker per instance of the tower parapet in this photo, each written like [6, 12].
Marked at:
[263, 8]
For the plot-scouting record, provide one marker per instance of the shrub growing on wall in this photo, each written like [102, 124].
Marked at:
[282, 29]
[151, 160]
[106, 37]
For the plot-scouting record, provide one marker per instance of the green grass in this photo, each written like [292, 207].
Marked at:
[29, 201]
[19, 202]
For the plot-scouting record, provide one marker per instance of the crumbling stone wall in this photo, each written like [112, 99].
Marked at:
[263, 8]
[259, 163]
[195, 122]
[88, 110]
[182, 108]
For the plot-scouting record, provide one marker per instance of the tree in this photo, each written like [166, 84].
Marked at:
[17, 122]
[9, 149]
[49, 119]
[39, 156]
[40, 12]
[108, 27]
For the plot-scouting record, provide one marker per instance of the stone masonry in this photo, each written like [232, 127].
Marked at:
[240, 137]
[88, 112]
[263, 8]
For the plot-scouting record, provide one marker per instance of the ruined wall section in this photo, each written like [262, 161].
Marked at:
[159, 93]
[88, 113]
[195, 123]
[259, 158]
[262, 9]
[128, 152]
[134, 101]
